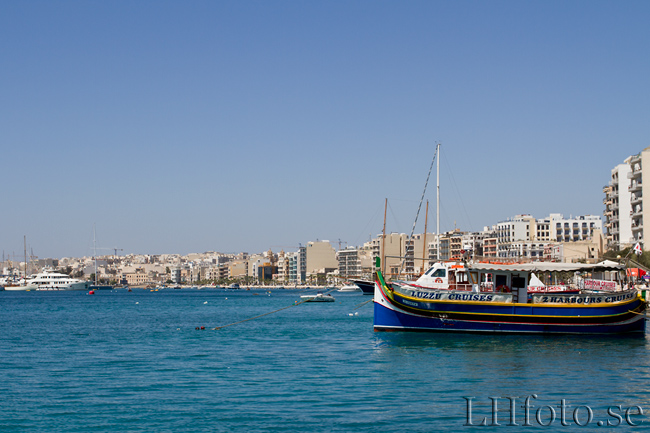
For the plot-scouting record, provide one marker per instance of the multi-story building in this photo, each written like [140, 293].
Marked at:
[297, 266]
[238, 268]
[137, 277]
[573, 229]
[618, 207]
[524, 237]
[637, 190]
[624, 217]
[490, 247]
[402, 256]
[320, 256]
[283, 268]
[349, 263]
[515, 229]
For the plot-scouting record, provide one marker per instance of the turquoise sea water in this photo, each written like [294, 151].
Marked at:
[123, 361]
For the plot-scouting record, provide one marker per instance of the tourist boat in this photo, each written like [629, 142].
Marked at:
[493, 297]
[50, 280]
[318, 298]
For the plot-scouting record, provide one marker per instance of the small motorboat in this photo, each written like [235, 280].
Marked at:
[350, 288]
[318, 298]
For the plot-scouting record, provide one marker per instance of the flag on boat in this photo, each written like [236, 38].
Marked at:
[637, 249]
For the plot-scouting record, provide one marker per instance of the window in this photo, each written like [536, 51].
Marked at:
[442, 273]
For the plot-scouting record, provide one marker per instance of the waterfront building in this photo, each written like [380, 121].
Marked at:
[524, 237]
[637, 189]
[402, 256]
[260, 268]
[297, 266]
[137, 277]
[625, 219]
[319, 255]
[349, 263]
[238, 268]
[175, 274]
[490, 247]
[212, 273]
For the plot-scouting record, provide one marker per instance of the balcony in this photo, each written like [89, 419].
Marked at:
[635, 186]
[636, 199]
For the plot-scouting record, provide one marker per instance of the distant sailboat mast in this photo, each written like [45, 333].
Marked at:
[95, 251]
[25, 245]
[438, 203]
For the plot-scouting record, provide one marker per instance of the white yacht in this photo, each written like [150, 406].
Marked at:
[50, 280]
[350, 288]
[318, 298]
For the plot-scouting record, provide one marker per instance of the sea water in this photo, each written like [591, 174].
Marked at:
[121, 361]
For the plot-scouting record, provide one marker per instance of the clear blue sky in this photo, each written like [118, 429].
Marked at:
[180, 127]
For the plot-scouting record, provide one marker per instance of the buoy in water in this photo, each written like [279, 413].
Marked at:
[92, 292]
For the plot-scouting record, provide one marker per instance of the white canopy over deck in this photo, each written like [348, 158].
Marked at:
[546, 267]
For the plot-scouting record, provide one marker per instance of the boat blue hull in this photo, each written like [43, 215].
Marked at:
[387, 319]
[367, 287]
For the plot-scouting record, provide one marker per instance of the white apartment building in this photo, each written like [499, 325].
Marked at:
[349, 263]
[637, 191]
[624, 217]
[573, 229]
[526, 237]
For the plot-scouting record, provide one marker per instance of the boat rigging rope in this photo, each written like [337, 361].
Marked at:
[266, 314]
[363, 303]
[418, 212]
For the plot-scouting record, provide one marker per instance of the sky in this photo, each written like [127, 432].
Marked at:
[172, 127]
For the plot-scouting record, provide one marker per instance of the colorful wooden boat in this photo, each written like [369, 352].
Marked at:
[501, 303]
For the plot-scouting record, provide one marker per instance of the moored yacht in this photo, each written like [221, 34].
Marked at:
[50, 280]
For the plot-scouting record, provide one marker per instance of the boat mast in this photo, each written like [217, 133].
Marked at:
[25, 245]
[438, 203]
[383, 242]
[95, 251]
[424, 243]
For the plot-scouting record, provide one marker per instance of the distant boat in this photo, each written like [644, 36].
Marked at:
[50, 280]
[318, 298]
[350, 288]
[100, 287]
[367, 287]
[10, 283]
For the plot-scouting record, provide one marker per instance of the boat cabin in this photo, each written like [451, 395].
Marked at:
[445, 275]
[516, 279]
